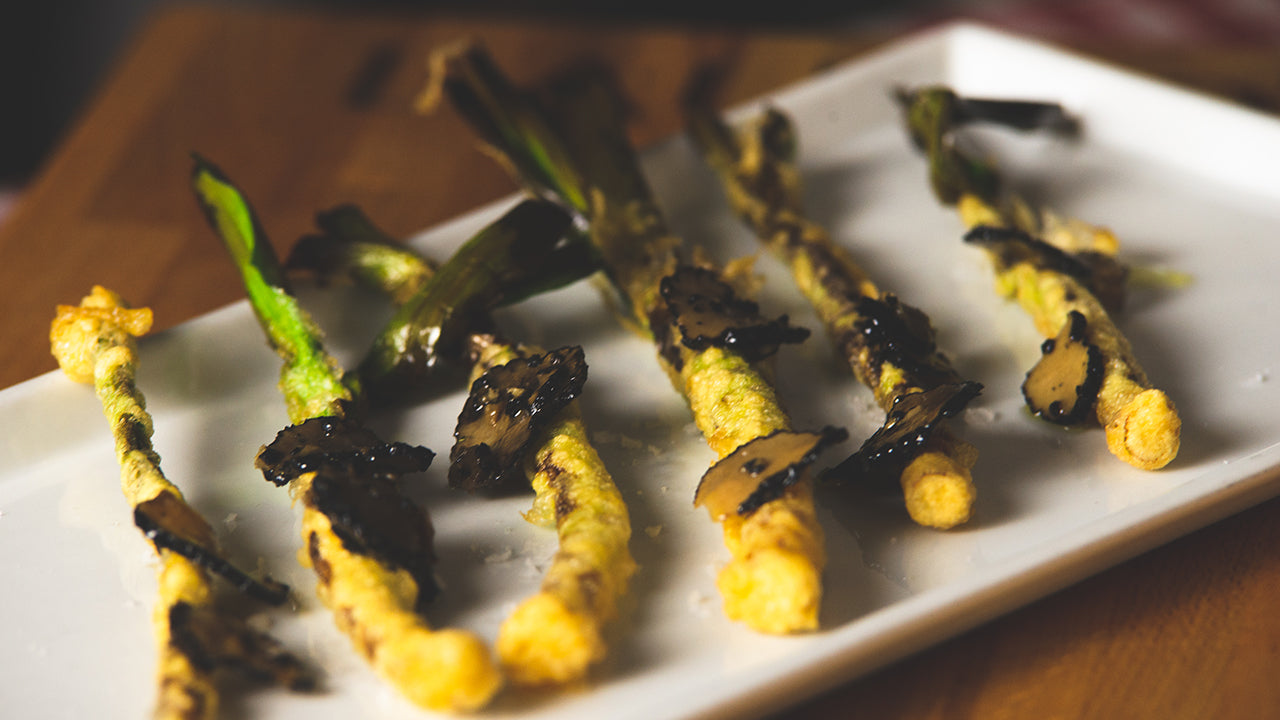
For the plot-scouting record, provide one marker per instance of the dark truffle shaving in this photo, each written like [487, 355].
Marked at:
[708, 314]
[1099, 272]
[761, 470]
[893, 324]
[1063, 386]
[906, 430]
[668, 347]
[171, 524]
[355, 486]
[300, 449]
[372, 516]
[212, 640]
[895, 332]
[507, 409]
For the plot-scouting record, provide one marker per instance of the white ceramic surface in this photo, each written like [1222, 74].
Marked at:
[1188, 183]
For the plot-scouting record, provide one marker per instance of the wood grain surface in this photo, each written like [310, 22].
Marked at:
[305, 111]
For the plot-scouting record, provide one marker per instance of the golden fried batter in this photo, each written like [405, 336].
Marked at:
[445, 669]
[94, 342]
[773, 581]
[764, 188]
[1142, 425]
[554, 636]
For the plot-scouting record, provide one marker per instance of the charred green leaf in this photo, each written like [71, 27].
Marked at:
[429, 328]
[931, 117]
[349, 246]
[1025, 115]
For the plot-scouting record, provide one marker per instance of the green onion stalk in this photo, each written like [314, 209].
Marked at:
[368, 544]
[888, 345]
[580, 157]
[1057, 269]
[197, 635]
[554, 636]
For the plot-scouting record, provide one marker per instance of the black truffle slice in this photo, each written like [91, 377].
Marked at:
[303, 448]
[213, 640]
[172, 525]
[709, 313]
[906, 430]
[355, 484]
[895, 325]
[1063, 386]
[895, 332]
[508, 407]
[760, 470]
[373, 517]
[1100, 273]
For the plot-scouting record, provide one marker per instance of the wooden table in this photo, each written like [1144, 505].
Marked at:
[310, 110]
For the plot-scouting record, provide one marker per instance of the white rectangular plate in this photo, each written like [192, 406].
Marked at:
[1186, 182]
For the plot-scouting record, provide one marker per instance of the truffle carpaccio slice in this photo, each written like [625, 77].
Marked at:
[212, 640]
[1101, 273]
[301, 448]
[507, 408]
[709, 313]
[170, 523]
[907, 428]
[895, 332]
[760, 470]
[355, 484]
[1063, 386]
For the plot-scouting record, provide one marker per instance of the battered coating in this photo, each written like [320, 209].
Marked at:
[576, 150]
[773, 580]
[556, 635]
[94, 342]
[372, 601]
[438, 669]
[756, 169]
[1142, 425]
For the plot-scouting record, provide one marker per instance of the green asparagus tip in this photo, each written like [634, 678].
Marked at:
[310, 378]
